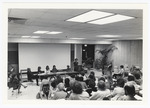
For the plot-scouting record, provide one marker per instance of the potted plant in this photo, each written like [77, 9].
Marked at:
[103, 62]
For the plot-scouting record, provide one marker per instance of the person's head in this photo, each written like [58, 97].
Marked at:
[77, 87]
[121, 66]
[76, 59]
[39, 68]
[77, 78]
[54, 84]
[82, 73]
[120, 82]
[92, 77]
[137, 75]
[28, 69]
[54, 66]
[61, 86]
[68, 66]
[92, 73]
[91, 83]
[47, 67]
[129, 90]
[101, 78]
[131, 78]
[101, 85]
[67, 82]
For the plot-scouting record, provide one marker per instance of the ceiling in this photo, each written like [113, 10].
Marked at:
[55, 20]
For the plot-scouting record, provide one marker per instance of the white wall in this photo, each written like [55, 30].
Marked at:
[34, 55]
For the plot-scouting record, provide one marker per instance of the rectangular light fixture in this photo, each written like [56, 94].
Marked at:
[35, 37]
[108, 36]
[25, 36]
[111, 19]
[89, 16]
[77, 38]
[54, 32]
[40, 32]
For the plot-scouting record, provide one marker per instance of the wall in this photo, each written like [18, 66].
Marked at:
[34, 55]
[128, 52]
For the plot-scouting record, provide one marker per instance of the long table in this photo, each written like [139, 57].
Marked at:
[42, 75]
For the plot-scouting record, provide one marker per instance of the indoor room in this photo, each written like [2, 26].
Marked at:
[75, 54]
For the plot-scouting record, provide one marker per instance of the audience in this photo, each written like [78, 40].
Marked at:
[78, 93]
[60, 93]
[101, 93]
[123, 86]
[118, 90]
[129, 93]
[91, 87]
[44, 88]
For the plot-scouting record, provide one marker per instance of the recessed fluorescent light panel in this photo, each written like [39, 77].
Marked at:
[35, 37]
[111, 19]
[89, 16]
[77, 38]
[108, 36]
[40, 32]
[25, 36]
[54, 32]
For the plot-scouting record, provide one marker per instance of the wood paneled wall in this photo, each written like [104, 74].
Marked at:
[129, 52]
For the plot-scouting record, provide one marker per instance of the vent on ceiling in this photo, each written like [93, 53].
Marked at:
[17, 20]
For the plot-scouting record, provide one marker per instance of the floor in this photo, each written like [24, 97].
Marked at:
[32, 89]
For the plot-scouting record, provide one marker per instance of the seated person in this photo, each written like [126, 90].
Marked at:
[15, 82]
[53, 89]
[44, 88]
[68, 69]
[47, 70]
[59, 79]
[129, 93]
[54, 69]
[101, 93]
[91, 87]
[131, 81]
[31, 76]
[67, 84]
[60, 93]
[138, 78]
[118, 90]
[78, 93]
[84, 86]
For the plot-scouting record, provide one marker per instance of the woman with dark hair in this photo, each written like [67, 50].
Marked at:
[91, 87]
[101, 93]
[54, 69]
[129, 93]
[67, 84]
[78, 93]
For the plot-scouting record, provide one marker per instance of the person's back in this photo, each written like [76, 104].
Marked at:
[101, 93]
[60, 94]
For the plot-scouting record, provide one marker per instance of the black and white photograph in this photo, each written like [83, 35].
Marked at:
[84, 52]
